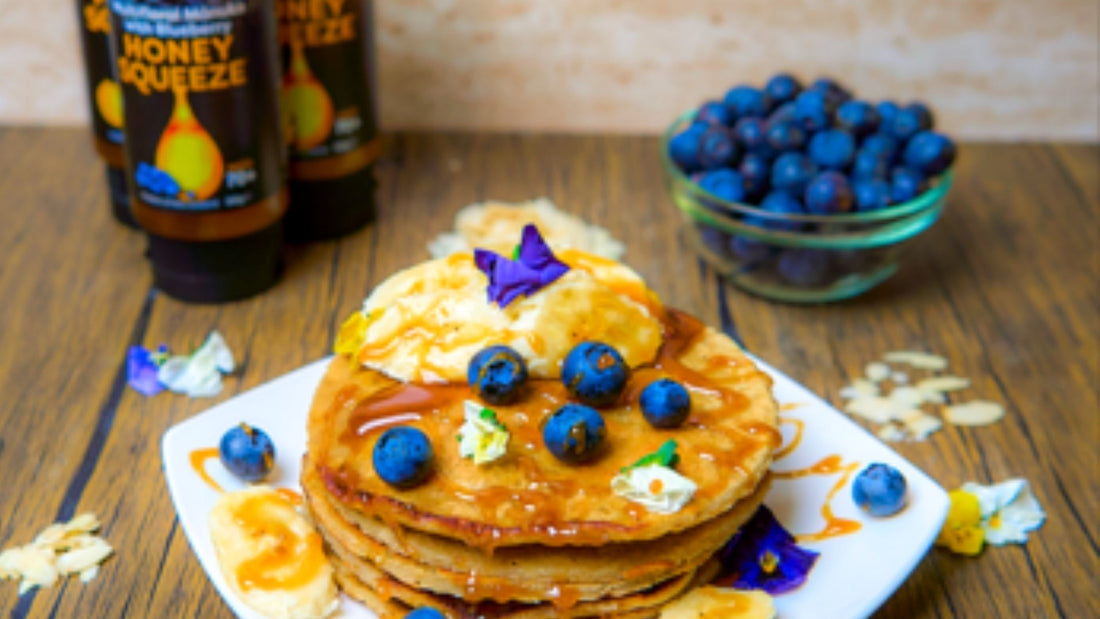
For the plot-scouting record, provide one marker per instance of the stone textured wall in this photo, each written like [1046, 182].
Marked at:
[992, 69]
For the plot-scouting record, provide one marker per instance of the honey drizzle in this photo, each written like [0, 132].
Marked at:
[796, 440]
[834, 526]
[290, 562]
[198, 458]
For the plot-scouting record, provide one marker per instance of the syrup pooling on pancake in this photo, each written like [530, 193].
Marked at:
[425, 323]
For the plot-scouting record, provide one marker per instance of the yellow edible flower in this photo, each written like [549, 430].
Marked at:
[962, 531]
[350, 337]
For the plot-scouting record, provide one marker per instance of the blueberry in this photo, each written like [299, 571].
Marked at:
[683, 148]
[746, 101]
[752, 134]
[715, 239]
[778, 203]
[882, 144]
[907, 122]
[929, 152]
[857, 117]
[247, 452]
[497, 374]
[831, 89]
[832, 149]
[723, 183]
[665, 403]
[879, 490]
[791, 172]
[871, 194]
[869, 164]
[782, 87]
[785, 136]
[905, 184]
[716, 148]
[783, 113]
[887, 110]
[594, 373]
[749, 250]
[923, 114]
[813, 111]
[828, 194]
[402, 456]
[714, 113]
[755, 170]
[804, 267]
[425, 612]
[573, 433]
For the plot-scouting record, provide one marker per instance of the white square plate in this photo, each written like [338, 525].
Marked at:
[853, 576]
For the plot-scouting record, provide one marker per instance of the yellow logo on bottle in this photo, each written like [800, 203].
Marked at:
[188, 153]
[108, 102]
[309, 104]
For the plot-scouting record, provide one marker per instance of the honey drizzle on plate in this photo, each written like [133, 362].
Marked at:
[834, 526]
[796, 440]
[198, 458]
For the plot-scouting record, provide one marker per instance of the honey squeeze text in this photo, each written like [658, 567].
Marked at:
[167, 65]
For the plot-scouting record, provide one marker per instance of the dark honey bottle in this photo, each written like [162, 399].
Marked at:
[104, 101]
[205, 153]
[328, 90]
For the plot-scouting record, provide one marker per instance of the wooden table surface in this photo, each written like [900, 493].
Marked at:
[1005, 286]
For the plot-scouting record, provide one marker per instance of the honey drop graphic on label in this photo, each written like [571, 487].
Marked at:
[310, 106]
[108, 102]
[188, 153]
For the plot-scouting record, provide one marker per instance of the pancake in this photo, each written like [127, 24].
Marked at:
[526, 534]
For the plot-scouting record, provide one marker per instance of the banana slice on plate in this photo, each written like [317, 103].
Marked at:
[271, 556]
[720, 603]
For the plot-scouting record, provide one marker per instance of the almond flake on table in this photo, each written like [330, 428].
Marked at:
[860, 387]
[920, 424]
[873, 408]
[876, 371]
[943, 384]
[917, 359]
[973, 413]
[59, 549]
[899, 378]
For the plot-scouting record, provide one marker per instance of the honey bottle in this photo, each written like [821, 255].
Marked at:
[104, 101]
[205, 152]
[328, 90]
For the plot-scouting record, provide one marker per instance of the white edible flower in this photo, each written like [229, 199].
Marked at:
[482, 437]
[200, 373]
[658, 488]
[1009, 510]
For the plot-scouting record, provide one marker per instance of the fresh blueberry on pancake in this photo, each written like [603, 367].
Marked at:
[665, 403]
[425, 612]
[574, 433]
[403, 457]
[247, 452]
[594, 373]
[497, 374]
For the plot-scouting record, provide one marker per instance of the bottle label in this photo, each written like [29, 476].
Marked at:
[326, 86]
[199, 90]
[104, 93]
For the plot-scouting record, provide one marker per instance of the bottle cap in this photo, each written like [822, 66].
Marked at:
[120, 196]
[217, 271]
[327, 209]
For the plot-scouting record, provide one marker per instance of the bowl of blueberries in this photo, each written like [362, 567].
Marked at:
[806, 194]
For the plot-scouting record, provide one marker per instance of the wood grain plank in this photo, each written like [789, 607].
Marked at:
[72, 286]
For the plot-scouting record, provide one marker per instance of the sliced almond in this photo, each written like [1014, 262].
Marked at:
[50, 536]
[80, 559]
[917, 359]
[899, 378]
[907, 397]
[876, 371]
[36, 566]
[873, 408]
[921, 424]
[974, 413]
[9, 563]
[890, 432]
[943, 384]
[859, 387]
[88, 574]
[84, 523]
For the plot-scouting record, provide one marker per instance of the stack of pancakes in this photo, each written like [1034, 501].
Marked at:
[528, 535]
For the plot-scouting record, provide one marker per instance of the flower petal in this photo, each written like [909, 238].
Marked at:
[535, 254]
[763, 555]
[200, 374]
[535, 268]
[141, 371]
[482, 436]
[657, 488]
[1009, 511]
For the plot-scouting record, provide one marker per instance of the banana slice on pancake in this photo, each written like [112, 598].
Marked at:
[271, 556]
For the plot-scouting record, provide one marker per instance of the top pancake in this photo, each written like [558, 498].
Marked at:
[528, 496]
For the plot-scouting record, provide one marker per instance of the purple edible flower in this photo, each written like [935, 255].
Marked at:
[534, 267]
[141, 370]
[763, 555]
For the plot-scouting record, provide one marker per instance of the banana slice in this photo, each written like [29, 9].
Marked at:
[720, 603]
[271, 556]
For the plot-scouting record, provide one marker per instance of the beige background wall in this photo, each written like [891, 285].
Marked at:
[1001, 69]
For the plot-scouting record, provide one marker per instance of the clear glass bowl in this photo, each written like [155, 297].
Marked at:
[798, 258]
